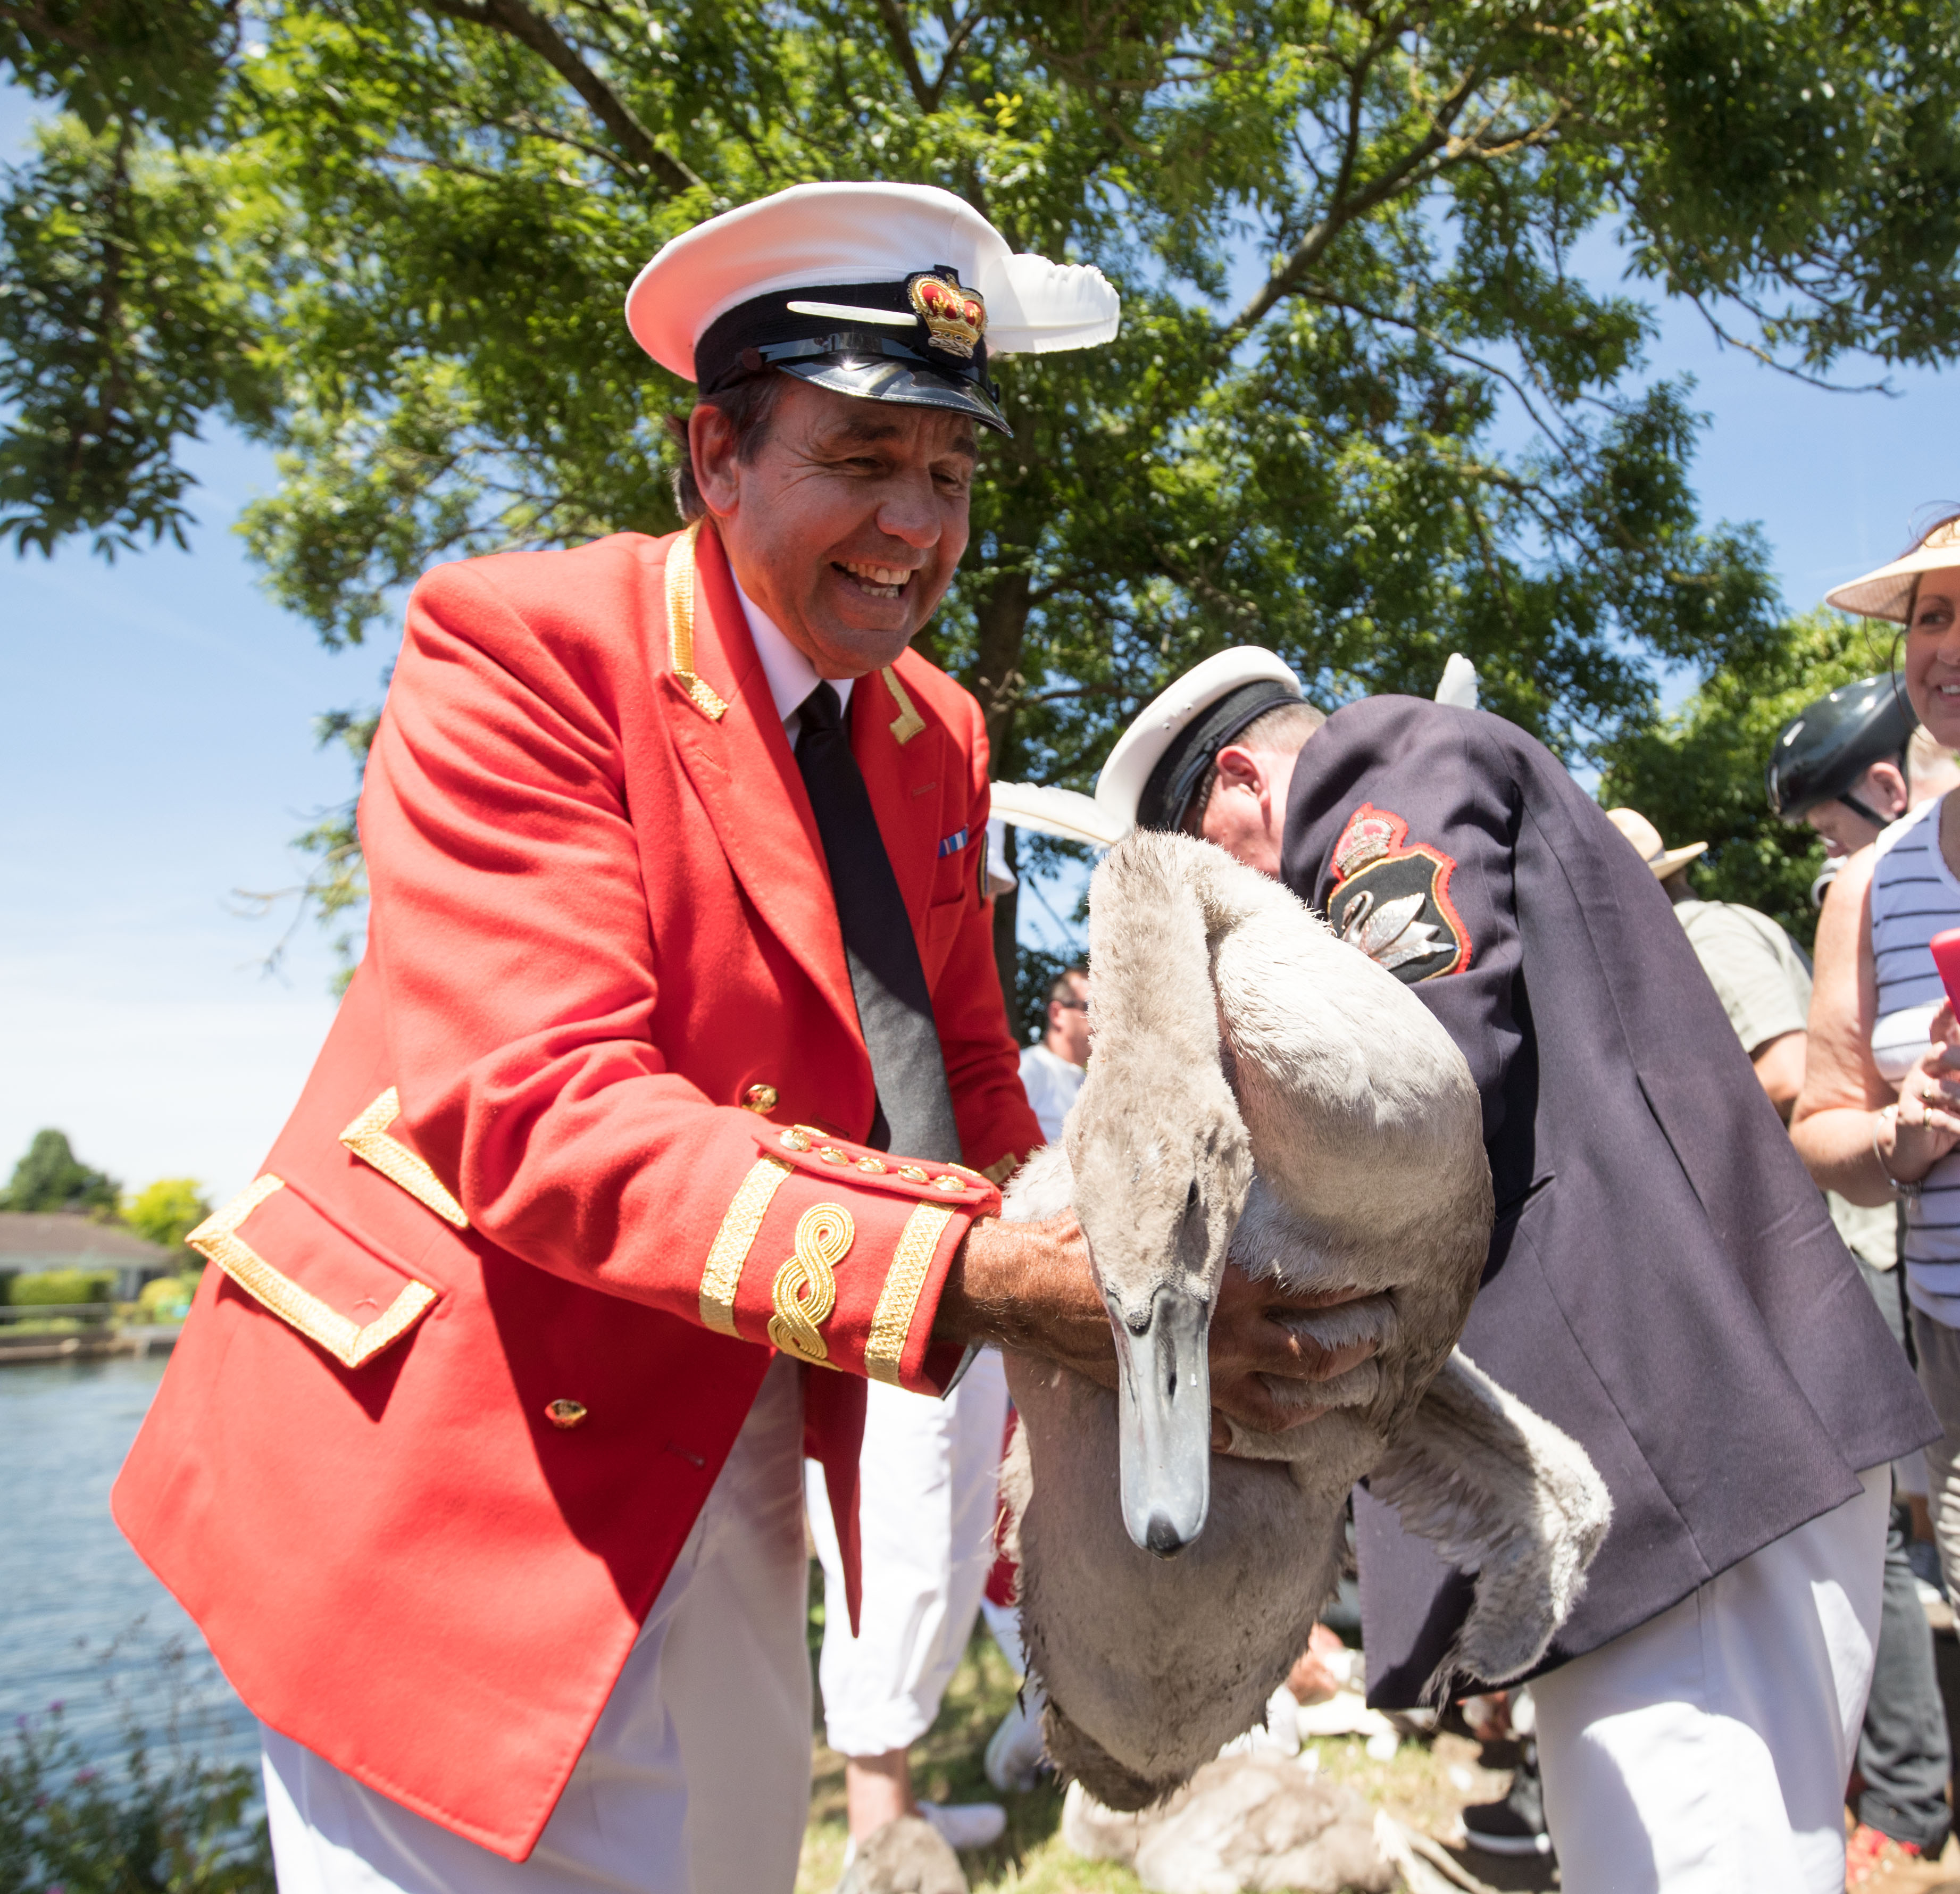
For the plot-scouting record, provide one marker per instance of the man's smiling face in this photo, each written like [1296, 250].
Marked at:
[848, 522]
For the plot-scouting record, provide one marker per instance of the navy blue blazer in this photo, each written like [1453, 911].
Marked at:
[1664, 1282]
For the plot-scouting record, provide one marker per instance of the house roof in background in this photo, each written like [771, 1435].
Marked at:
[58, 1237]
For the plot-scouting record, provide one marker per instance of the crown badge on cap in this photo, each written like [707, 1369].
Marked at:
[955, 316]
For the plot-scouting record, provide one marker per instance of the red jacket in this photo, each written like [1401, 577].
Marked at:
[481, 1336]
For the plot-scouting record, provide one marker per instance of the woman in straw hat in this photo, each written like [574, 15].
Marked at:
[1880, 1115]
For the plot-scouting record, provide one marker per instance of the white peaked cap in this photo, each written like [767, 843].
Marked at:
[1050, 811]
[1253, 679]
[811, 234]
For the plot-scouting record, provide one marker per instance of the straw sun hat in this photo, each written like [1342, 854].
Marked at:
[1887, 592]
[1648, 846]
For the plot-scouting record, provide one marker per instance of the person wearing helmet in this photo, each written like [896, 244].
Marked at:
[1852, 763]
[1841, 765]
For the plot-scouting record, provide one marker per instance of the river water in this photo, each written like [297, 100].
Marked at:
[82, 1622]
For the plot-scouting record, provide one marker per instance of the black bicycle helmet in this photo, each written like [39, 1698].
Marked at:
[1828, 745]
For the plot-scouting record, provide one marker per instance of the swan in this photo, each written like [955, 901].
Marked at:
[1261, 1093]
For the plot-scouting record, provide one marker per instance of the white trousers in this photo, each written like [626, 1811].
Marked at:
[696, 1777]
[927, 1479]
[1706, 1751]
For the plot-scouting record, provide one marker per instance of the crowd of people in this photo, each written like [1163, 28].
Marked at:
[645, 1203]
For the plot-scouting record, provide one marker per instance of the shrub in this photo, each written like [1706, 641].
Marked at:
[47, 1286]
[167, 1299]
[167, 1211]
[188, 1827]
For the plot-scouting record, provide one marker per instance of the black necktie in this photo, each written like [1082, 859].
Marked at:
[913, 1114]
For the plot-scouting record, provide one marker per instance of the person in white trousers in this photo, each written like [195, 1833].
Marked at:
[927, 1478]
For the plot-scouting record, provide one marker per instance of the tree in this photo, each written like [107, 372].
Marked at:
[50, 1177]
[1699, 776]
[1365, 408]
[168, 1211]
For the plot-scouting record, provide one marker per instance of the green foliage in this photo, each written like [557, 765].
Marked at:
[114, 339]
[1362, 408]
[1699, 776]
[44, 1288]
[167, 1211]
[162, 66]
[167, 1298]
[184, 1828]
[50, 1177]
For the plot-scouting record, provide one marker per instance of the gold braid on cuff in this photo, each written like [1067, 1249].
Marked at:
[805, 1290]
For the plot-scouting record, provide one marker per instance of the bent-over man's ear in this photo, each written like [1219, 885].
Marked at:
[1501, 1492]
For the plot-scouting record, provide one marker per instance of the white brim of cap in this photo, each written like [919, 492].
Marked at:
[1067, 813]
[812, 235]
[1125, 776]
[1887, 592]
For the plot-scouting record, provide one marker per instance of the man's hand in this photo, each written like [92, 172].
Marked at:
[1028, 1286]
[1252, 1340]
[1926, 1124]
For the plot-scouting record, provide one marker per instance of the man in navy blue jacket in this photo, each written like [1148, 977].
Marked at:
[1664, 1282]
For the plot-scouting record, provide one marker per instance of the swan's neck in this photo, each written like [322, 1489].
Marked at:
[1155, 915]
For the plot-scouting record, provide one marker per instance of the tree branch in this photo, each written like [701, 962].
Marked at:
[1345, 210]
[531, 125]
[899, 30]
[515, 20]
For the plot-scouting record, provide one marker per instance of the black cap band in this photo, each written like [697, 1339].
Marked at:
[765, 324]
[1167, 795]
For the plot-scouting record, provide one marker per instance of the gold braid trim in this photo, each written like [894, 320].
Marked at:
[805, 1290]
[680, 626]
[368, 1138]
[217, 1238]
[723, 1274]
[891, 1320]
[908, 723]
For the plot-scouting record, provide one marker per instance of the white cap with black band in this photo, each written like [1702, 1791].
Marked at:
[1161, 759]
[888, 292]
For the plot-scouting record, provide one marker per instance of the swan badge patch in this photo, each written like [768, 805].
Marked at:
[1392, 902]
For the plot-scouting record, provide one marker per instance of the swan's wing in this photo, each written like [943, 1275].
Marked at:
[1066, 812]
[1501, 1492]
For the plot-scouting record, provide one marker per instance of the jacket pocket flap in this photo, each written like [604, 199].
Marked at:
[313, 1276]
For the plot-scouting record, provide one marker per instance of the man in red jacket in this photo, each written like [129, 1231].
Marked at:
[675, 1080]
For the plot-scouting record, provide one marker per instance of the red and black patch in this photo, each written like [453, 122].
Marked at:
[1392, 902]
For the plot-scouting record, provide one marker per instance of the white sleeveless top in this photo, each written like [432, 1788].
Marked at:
[1914, 896]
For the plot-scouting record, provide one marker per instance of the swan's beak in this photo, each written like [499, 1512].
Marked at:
[1164, 1411]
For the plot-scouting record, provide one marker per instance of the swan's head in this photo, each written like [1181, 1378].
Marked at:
[1161, 1174]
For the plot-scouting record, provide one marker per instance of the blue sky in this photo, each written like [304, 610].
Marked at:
[160, 756]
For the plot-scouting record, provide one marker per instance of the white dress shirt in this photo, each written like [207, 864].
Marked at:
[792, 676]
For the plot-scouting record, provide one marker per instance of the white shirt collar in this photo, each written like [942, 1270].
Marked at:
[792, 676]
